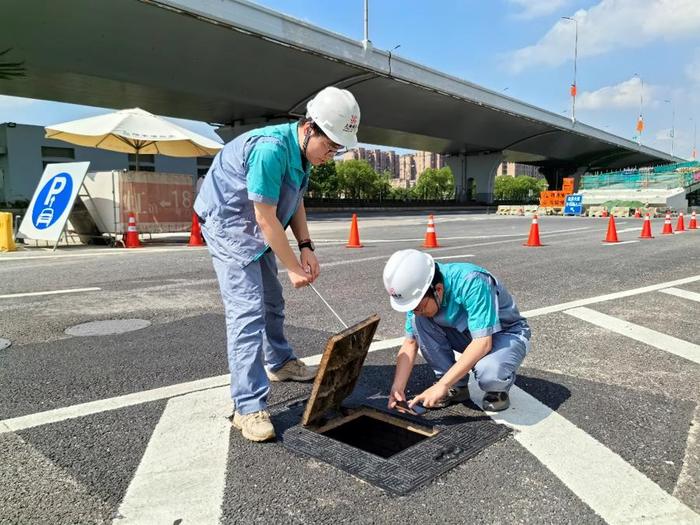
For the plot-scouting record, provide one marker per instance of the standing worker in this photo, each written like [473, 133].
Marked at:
[457, 307]
[253, 191]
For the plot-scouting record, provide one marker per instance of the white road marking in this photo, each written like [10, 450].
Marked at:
[673, 345]
[182, 474]
[518, 236]
[114, 403]
[685, 294]
[599, 477]
[617, 243]
[607, 297]
[16, 424]
[101, 253]
[452, 257]
[51, 292]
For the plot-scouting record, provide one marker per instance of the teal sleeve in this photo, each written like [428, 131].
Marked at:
[408, 327]
[477, 294]
[266, 165]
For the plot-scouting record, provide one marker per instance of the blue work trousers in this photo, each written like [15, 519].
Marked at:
[495, 372]
[254, 309]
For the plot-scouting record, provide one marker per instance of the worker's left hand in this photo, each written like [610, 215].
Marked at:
[310, 263]
[430, 396]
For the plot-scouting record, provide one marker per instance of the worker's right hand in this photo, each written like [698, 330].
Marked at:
[395, 395]
[299, 277]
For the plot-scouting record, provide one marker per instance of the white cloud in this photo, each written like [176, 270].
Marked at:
[609, 25]
[692, 70]
[537, 8]
[626, 94]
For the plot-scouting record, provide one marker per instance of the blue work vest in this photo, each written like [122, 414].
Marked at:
[224, 203]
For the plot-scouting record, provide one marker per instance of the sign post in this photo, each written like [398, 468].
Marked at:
[53, 201]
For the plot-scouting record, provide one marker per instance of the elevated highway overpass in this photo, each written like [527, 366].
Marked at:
[239, 65]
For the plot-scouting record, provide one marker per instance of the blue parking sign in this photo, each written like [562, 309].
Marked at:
[53, 200]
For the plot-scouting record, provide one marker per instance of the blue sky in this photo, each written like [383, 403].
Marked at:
[524, 49]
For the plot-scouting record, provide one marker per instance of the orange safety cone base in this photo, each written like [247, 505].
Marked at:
[196, 238]
[680, 225]
[612, 231]
[131, 237]
[533, 241]
[354, 240]
[430, 240]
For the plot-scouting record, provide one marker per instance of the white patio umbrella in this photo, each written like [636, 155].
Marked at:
[134, 131]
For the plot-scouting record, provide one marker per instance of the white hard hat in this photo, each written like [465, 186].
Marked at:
[407, 276]
[336, 112]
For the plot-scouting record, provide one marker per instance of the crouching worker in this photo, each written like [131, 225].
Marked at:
[456, 307]
[253, 191]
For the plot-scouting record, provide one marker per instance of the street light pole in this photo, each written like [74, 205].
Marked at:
[695, 138]
[366, 42]
[640, 120]
[573, 86]
[673, 123]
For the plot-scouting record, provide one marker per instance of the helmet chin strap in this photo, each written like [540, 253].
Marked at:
[307, 136]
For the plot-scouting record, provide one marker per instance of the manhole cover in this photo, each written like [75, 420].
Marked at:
[110, 327]
[4, 343]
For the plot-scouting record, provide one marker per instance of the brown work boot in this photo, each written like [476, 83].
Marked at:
[294, 370]
[255, 426]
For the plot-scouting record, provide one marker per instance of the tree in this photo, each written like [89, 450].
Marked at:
[435, 184]
[518, 189]
[323, 181]
[357, 179]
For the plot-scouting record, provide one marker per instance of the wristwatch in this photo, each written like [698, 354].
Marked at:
[307, 243]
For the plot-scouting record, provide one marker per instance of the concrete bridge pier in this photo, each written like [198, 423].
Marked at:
[474, 175]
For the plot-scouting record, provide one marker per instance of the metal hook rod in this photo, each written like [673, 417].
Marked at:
[328, 305]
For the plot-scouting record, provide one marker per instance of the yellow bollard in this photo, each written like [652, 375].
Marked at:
[7, 237]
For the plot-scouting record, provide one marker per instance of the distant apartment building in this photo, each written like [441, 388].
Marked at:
[404, 169]
[514, 169]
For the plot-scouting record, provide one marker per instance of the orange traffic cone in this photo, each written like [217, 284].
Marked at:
[131, 237]
[354, 240]
[667, 225]
[612, 231]
[604, 214]
[680, 225]
[534, 238]
[637, 214]
[646, 229]
[693, 224]
[195, 232]
[430, 235]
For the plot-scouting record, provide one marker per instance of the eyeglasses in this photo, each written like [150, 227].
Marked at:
[332, 147]
[421, 306]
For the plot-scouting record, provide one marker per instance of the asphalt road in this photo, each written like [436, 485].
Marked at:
[131, 427]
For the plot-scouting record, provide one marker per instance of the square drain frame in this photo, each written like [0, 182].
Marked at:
[459, 437]
[447, 437]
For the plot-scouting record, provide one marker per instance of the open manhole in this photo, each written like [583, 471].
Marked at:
[4, 343]
[107, 327]
[383, 436]
[393, 451]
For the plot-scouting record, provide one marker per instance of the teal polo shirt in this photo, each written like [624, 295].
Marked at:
[470, 302]
[276, 153]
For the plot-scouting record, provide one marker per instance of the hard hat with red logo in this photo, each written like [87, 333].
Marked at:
[336, 112]
[407, 276]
